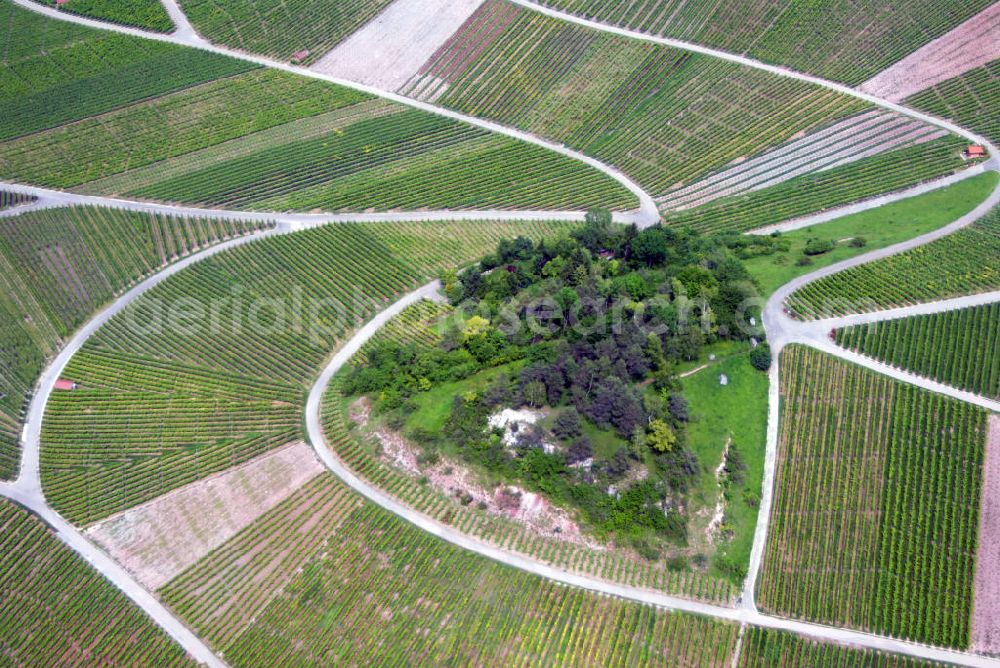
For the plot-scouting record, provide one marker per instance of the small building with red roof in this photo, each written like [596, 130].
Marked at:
[975, 151]
[65, 384]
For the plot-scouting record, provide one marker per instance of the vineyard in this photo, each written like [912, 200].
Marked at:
[211, 367]
[349, 582]
[57, 267]
[410, 160]
[860, 136]
[280, 29]
[9, 199]
[148, 14]
[209, 121]
[875, 516]
[965, 262]
[57, 610]
[818, 191]
[959, 348]
[970, 100]
[70, 73]
[765, 648]
[113, 114]
[658, 114]
[845, 41]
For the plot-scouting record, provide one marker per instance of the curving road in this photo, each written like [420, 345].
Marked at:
[26, 489]
[49, 198]
[758, 65]
[782, 330]
[742, 615]
[647, 213]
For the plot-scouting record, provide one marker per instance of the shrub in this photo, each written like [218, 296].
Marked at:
[760, 357]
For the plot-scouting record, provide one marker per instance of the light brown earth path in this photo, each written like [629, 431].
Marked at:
[986, 600]
[972, 44]
[158, 539]
[393, 46]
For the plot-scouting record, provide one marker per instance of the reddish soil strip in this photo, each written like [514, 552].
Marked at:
[477, 34]
[159, 539]
[972, 44]
[986, 602]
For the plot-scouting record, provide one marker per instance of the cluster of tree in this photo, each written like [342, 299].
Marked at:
[596, 324]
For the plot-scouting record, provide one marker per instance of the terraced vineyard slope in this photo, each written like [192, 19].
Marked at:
[148, 14]
[58, 611]
[281, 29]
[106, 113]
[721, 146]
[885, 539]
[211, 367]
[965, 262]
[844, 41]
[959, 348]
[57, 267]
[362, 585]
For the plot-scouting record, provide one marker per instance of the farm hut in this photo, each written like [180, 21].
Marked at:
[60, 3]
[64, 384]
[300, 56]
[975, 151]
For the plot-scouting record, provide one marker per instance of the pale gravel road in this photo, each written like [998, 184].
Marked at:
[647, 213]
[27, 488]
[742, 615]
[49, 198]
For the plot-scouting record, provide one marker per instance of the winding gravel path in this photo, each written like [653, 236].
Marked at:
[647, 213]
[49, 198]
[27, 488]
[743, 615]
[782, 330]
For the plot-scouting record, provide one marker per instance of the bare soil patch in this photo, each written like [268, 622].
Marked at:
[457, 481]
[159, 539]
[393, 47]
[986, 601]
[972, 44]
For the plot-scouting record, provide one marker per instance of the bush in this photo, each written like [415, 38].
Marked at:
[803, 261]
[760, 357]
[818, 246]
[858, 242]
